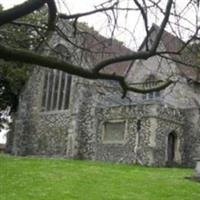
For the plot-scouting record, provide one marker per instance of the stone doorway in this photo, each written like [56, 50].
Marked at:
[171, 148]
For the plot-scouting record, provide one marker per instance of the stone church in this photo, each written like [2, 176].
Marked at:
[76, 118]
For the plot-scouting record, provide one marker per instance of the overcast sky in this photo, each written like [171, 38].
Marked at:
[99, 21]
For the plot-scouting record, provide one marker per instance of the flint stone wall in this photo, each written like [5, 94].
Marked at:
[191, 136]
[147, 146]
[78, 131]
[37, 132]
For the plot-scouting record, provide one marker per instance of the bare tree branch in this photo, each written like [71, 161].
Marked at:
[21, 10]
[11, 54]
[145, 19]
[28, 7]
[52, 14]
[46, 61]
[78, 15]
[21, 23]
[141, 54]
[162, 26]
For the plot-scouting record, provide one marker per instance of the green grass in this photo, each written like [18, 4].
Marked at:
[34, 178]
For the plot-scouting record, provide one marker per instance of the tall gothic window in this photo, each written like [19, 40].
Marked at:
[151, 83]
[56, 88]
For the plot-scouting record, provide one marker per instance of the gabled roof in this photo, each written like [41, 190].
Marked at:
[185, 60]
[103, 48]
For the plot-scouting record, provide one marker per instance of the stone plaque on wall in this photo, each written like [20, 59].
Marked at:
[114, 131]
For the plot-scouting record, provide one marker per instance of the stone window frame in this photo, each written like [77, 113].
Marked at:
[115, 141]
[177, 156]
[148, 83]
[53, 100]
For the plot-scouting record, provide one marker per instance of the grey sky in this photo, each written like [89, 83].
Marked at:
[99, 21]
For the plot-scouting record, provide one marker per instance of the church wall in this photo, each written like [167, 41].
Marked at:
[39, 132]
[80, 131]
[98, 94]
[169, 121]
[144, 142]
[124, 151]
[181, 94]
[48, 132]
[51, 134]
[191, 136]
[27, 114]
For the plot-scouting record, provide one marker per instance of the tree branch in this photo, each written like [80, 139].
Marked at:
[145, 19]
[21, 23]
[52, 14]
[21, 10]
[28, 7]
[77, 15]
[162, 26]
[12, 54]
[141, 54]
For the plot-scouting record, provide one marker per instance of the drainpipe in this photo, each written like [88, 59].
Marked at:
[137, 142]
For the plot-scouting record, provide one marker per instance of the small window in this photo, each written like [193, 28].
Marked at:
[114, 132]
[151, 83]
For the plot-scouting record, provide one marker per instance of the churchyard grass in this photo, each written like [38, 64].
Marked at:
[33, 178]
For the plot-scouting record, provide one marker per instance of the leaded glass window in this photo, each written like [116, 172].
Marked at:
[56, 90]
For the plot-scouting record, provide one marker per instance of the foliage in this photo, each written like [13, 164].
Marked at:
[14, 75]
[50, 179]
[27, 33]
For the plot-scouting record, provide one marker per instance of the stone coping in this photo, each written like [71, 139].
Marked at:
[197, 159]
[197, 169]
[196, 176]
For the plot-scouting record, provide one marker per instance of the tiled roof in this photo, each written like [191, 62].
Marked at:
[186, 59]
[103, 48]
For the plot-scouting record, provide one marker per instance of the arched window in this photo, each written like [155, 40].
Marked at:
[62, 52]
[151, 83]
[56, 87]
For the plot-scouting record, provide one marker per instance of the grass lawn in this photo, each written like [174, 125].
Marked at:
[33, 178]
